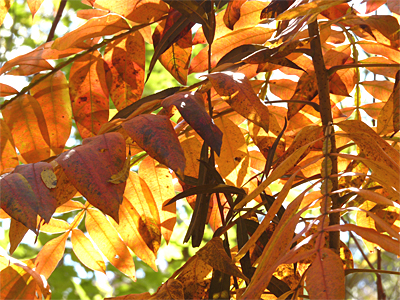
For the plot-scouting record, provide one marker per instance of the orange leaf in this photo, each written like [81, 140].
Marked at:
[232, 13]
[385, 71]
[373, 5]
[13, 282]
[71, 205]
[282, 88]
[214, 254]
[90, 166]
[239, 94]
[55, 226]
[192, 149]
[8, 153]
[215, 215]
[159, 180]
[16, 234]
[379, 89]
[46, 197]
[155, 135]
[140, 11]
[110, 244]
[85, 251]
[126, 61]
[34, 6]
[107, 25]
[90, 13]
[52, 95]
[89, 93]
[6, 90]
[233, 163]
[386, 51]
[4, 7]
[50, 255]
[325, 277]
[223, 45]
[197, 117]
[18, 200]
[25, 119]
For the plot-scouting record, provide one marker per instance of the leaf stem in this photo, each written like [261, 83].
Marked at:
[56, 20]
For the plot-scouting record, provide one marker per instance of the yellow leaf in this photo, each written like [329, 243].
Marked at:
[49, 178]
[122, 175]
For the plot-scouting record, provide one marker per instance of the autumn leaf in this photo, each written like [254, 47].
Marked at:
[50, 255]
[16, 234]
[8, 152]
[126, 61]
[159, 180]
[24, 117]
[6, 90]
[90, 166]
[232, 13]
[34, 6]
[89, 93]
[190, 106]
[85, 251]
[156, 136]
[109, 243]
[4, 7]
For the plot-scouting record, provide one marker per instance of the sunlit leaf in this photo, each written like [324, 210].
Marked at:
[6, 90]
[34, 6]
[8, 153]
[385, 71]
[155, 134]
[71, 205]
[52, 95]
[89, 93]
[90, 166]
[126, 61]
[25, 119]
[85, 251]
[379, 89]
[109, 243]
[55, 226]
[159, 181]
[191, 108]
[232, 13]
[16, 234]
[325, 277]
[4, 7]
[50, 255]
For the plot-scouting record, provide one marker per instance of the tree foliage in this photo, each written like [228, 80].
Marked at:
[220, 143]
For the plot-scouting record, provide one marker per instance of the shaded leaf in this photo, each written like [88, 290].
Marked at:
[8, 153]
[238, 93]
[85, 251]
[275, 8]
[18, 199]
[50, 255]
[107, 25]
[171, 290]
[47, 199]
[25, 119]
[89, 93]
[195, 114]
[232, 13]
[325, 277]
[159, 181]
[109, 243]
[214, 254]
[123, 174]
[126, 61]
[155, 135]
[89, 167]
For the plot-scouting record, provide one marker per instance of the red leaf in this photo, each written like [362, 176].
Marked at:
[52, 95]
[89, 93]
[155, 135]
[195, 114]
[27, 125]
[90, 166]
[45, 196]
[126, 59]
[18, 200]
[232, 13]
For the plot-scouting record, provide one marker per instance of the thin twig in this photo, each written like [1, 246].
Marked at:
[56, 20]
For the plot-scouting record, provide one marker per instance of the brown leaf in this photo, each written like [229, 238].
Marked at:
[89, 167]
[89, 93]
[109, 243]
[155, 135]
[325, 277]
[213, 253]
[25, 119]
[52, 95]
[171, 290]
[50, 255]
[126, 61]
[197, 117]
[85, 251]
[159, 181]
[239, 94]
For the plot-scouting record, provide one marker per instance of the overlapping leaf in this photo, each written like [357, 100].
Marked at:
[89, 93]
[232, 13]
[25, 119]
[90, 166]
[126, 60]
[53, 97]
[109, 243]
[8, 153]
[191, 108]
[157, 137]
